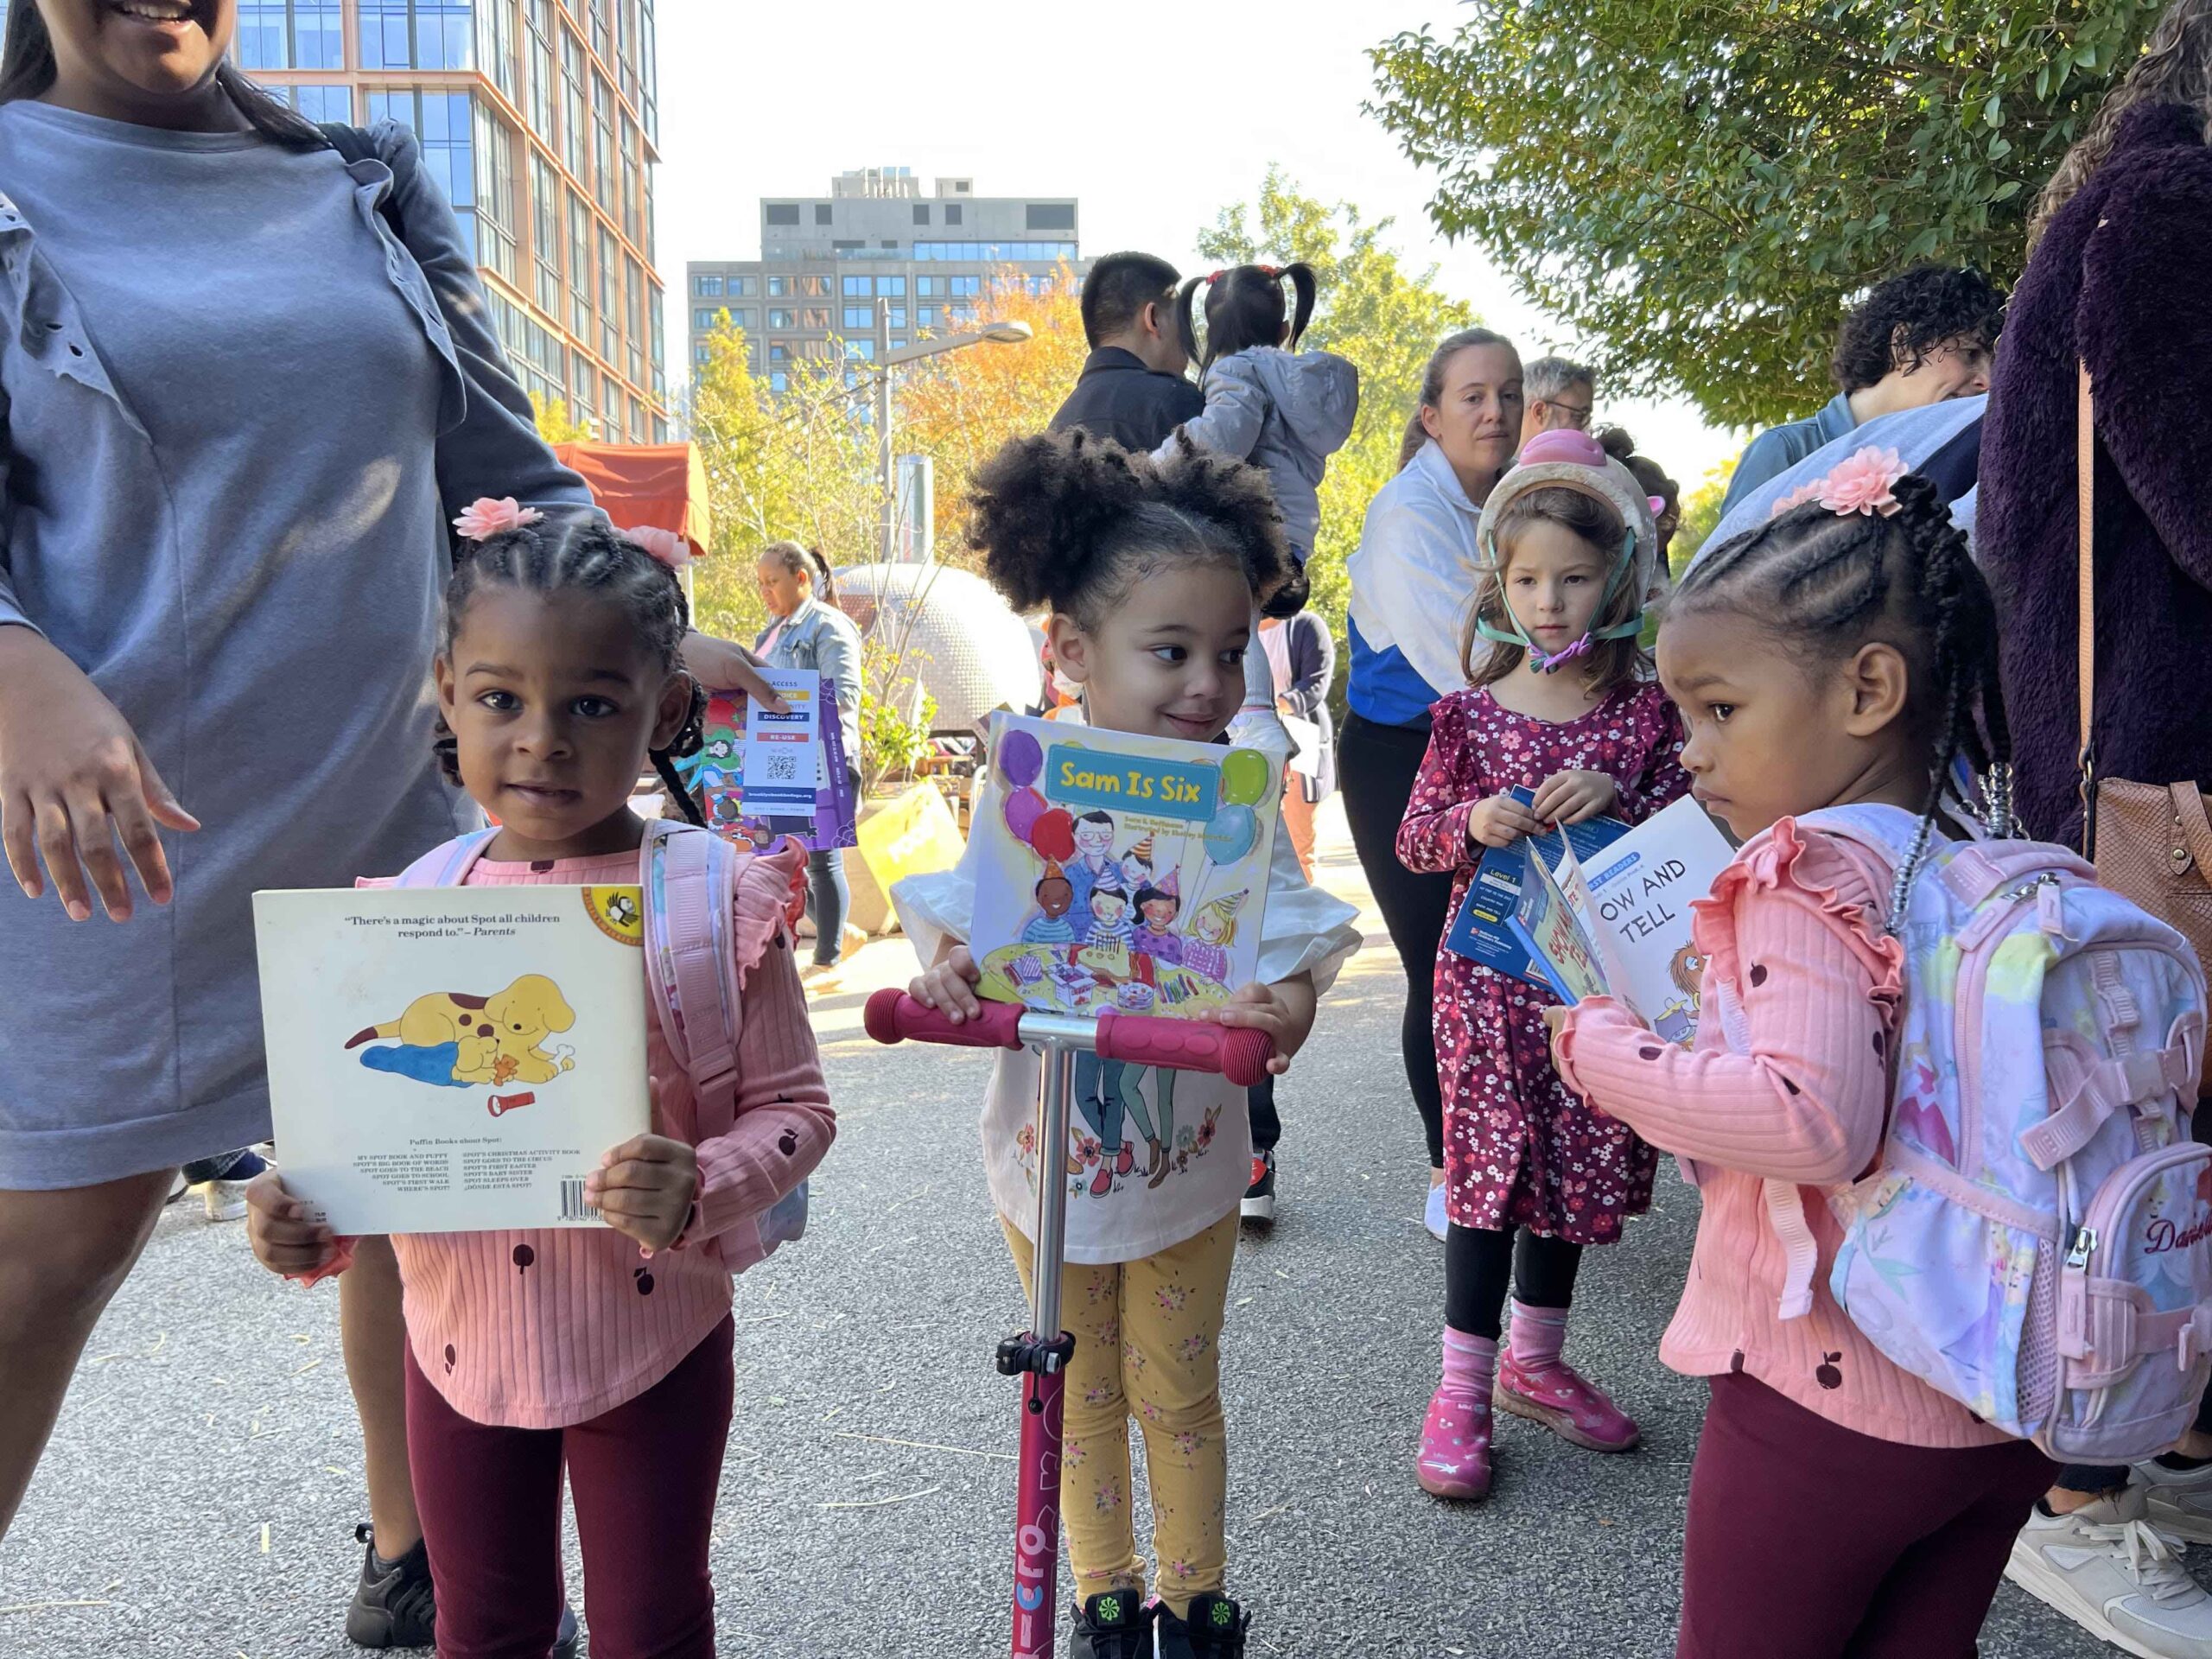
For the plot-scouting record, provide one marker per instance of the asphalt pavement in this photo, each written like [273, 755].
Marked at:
[199, 1497]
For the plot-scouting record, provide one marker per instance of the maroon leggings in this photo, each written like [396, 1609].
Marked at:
[1808, 1541]
[642, 1478]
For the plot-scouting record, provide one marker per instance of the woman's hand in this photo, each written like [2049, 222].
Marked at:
[1571, 796]
[1499, 820]
[276, 1225]
[1284, 1011]
[645, 1187]
[73, 779]
[725, 666]
[950, 986]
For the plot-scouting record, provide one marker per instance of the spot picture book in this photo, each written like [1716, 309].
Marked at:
[452, 1060]
[760, 776]
[1119, 871]
[1619, 925]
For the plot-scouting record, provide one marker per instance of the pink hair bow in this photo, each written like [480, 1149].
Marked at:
[487, 516]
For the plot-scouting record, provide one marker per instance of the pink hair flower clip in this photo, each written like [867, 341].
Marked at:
[1798, 496]
[486, 517]
[663, 544]
[1864, 482]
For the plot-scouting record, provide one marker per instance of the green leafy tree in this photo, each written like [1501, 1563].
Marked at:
[799, 465]
[1371, 309]
[556, 424]
[1701, 515]
[1701, 187]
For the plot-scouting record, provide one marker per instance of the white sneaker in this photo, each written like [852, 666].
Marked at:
[2179, 1501]
[225, 1199]
[2116, 1576]
[1434, 1217]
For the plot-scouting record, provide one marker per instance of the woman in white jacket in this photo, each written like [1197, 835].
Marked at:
[1412, 578]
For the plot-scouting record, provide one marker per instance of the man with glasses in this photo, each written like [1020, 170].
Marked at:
[1559, 394]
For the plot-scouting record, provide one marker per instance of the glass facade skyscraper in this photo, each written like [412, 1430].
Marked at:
[539, 120]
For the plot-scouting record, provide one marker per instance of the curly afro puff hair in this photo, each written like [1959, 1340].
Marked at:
[1075, 522]
[1910, 315]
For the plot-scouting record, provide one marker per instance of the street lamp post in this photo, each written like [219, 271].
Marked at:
[996, 333]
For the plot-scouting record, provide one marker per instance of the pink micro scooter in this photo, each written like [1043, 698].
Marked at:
[1237, 1054]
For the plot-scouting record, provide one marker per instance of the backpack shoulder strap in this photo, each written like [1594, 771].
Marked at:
[449, 865]
[689, 875]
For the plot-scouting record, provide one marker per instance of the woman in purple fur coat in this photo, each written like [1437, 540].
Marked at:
[2116, 280]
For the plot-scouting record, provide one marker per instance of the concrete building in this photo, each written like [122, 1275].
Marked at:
[825, 261]
[540, 119]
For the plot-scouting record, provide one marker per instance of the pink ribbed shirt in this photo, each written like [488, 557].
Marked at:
[1800, 1096]
[544, 1329]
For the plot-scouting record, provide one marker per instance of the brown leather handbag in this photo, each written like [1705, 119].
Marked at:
[2151, 843]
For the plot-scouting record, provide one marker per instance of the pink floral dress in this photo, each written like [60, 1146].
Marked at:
[1519, 1150]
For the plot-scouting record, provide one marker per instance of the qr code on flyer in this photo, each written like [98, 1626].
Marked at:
[783, 768]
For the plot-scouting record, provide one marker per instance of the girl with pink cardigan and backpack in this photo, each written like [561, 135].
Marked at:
[1937, 1103]
[604, 1352]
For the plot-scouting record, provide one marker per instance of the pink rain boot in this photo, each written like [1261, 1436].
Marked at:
[1535, 1382]
[1455, 1460]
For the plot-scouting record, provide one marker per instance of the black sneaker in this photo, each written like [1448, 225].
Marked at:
[1215, 1629]
[1260, 1198]
[394, 1605]
[564, 1640]
[1115, 1625]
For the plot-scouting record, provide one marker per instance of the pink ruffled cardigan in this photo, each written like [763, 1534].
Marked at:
[1788, 1083]
[545, 1329]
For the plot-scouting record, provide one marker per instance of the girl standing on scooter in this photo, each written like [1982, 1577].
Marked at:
[1151, 571]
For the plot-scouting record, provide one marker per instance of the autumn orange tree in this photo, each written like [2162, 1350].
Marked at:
[958, 408]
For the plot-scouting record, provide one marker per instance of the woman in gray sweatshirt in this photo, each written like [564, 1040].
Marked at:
[247, 383]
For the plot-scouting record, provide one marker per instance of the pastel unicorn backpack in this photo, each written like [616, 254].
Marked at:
[2035, 1240]
[689, 877]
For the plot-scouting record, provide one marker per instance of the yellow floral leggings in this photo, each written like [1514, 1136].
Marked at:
[1147, 1340]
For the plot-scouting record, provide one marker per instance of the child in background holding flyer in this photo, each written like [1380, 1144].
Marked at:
[1151, 572]
[1561, 704]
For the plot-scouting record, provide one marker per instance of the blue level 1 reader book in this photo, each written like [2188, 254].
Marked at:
[1481, 930]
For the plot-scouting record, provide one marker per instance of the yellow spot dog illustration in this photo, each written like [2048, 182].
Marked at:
[451, 1038]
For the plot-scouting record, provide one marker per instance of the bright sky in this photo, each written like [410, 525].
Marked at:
[775, 100]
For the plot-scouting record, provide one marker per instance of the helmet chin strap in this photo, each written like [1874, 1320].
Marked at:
[1550, 662]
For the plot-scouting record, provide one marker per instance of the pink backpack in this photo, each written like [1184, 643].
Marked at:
[2036, 1239]
[689, 877]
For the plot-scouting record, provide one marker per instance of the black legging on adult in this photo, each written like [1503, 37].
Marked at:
[1376, 766]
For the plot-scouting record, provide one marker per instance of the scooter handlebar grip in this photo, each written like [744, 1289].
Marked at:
[892, 1016]
[1237, 1052]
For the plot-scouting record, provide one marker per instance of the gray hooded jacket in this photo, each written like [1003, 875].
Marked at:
[1285, 411]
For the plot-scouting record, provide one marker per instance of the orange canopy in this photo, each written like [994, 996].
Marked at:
[659, 486]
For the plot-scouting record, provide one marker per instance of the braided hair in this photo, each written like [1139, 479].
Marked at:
[1075, 522]
[582, 552]
[1828, 584]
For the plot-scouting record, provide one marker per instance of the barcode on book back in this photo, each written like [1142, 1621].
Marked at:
[573, 1207]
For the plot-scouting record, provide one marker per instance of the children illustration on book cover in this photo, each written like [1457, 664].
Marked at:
[1126, 869]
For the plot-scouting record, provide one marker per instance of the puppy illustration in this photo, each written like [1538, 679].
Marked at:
[453, 1039]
